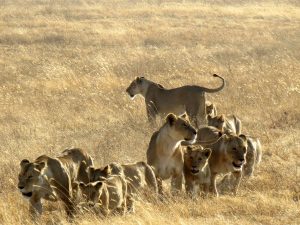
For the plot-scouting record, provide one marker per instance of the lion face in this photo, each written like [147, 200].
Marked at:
[91, 191]
[217, 121]
[136, 87]
[99, 174]
[196, 158]
[236, 151]
[29, 177]
[180, 128]
[209, 109]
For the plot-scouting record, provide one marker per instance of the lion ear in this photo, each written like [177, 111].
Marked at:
[91, 171]
[220, 133]
[209, 117]
[139, 79]
[171, 119]
[222, 118]
[40, 165]
[107, 170]
[243, 137]
[184, 115]
[189, 149]
[24, 162]
[98, 185]
[207, 152]
[82, 185]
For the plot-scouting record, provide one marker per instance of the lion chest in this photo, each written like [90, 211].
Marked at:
[169, 165]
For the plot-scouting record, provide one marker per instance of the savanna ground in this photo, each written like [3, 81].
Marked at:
[65, 65]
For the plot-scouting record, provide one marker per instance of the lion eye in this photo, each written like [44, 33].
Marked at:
[199, 159]
[29, 177]
[234, 149]
[191, 157]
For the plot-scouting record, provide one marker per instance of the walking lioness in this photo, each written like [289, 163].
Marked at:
[189, 99]
[228, 156]
[51, 179]
[165, 154]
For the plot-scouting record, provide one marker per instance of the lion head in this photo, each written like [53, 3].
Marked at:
[217, 121]
[180, 128]
[99, 174]
[196, 158]
[136, 87]
[236, 150]
[29, 177]
[91, 191]
[210, 109]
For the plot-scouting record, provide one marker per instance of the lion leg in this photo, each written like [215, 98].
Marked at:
[213, 184]
[176, 183]
[130, 204]
[159, 186]
[201, 114]
[206, 188]
[189, 187]
[197, 114]
[64, 196]
[151, 112]
[238, 177]
[35, 207]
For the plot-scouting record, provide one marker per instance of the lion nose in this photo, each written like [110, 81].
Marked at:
[20, 187]
[242, 159]
[194, 132]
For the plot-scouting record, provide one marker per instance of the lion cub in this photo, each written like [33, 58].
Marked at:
[227, 124]
[109, 194]
[211, 108]
[196, 169]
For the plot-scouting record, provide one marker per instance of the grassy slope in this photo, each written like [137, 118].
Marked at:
[65, 66]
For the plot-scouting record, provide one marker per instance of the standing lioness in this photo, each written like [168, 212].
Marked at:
[165, 153]
[189, 99]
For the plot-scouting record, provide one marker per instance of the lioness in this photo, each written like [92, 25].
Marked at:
[165, 154]
[51, 179]
[208, 135]
[253, 157]
[161, 101]
[227, 124]
[109, 194]
[139, 177]
[228, 156]
[211, 108]
[196, 169]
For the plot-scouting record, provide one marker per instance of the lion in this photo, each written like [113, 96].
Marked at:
[51, 179]
[139, 176]
[211, 108]
[228, 156]
[253, 157]
[196, 169]
[209, 135]
[162, 101]
[165, 153]
[109, 194]
[228, 124]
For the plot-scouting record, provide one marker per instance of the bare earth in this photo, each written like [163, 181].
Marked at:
[65, 65]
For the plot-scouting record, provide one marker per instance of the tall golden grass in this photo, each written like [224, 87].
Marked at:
[65, 65]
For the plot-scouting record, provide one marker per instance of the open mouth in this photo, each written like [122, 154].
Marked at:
[28, 194]
[194, 171]
[130, 95]
[237, 166]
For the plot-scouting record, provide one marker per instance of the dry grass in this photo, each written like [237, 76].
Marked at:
[65, 65]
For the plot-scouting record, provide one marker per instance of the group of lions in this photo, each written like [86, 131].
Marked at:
[183, 149]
